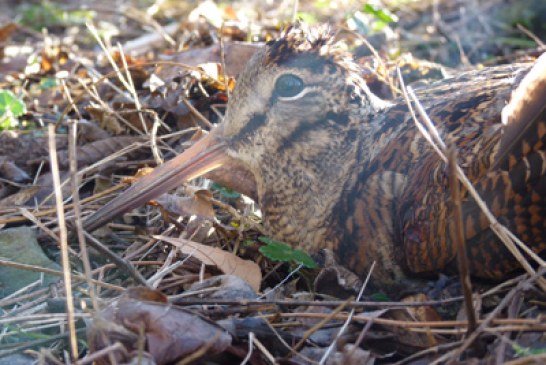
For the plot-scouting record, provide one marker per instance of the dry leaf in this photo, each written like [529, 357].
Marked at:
[416, 341]
[106, 119]
[170, 333]
[225, 287]
[423, 313]
[90, 132]
[227, 262]
[10, 171]
[236, 56]
[198, 204]
[25, 148]
[92, 152]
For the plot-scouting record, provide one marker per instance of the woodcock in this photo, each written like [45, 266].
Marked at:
[335, 167]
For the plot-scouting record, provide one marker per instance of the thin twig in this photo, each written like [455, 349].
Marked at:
[92, 357]
[462, 259]
[485, 323]
[120, 262]
[348, 320]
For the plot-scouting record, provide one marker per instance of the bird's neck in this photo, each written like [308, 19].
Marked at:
[299, 187]
[298, 198]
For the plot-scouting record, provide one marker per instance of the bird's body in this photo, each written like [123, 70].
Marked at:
[335, 167]
[402, 185]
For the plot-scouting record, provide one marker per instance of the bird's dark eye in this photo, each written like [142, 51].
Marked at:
[288, 85]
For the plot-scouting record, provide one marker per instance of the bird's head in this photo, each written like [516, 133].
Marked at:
[297, 95]
[300, 88]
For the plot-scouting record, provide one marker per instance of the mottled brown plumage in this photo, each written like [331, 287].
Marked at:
[335, 167]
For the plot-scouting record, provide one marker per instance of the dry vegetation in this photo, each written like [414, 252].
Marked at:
[110, 87]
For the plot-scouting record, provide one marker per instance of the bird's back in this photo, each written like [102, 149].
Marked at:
[398, 206]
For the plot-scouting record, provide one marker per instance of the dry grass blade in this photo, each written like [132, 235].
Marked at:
[63, 235]
[325, 319]
[77, 213]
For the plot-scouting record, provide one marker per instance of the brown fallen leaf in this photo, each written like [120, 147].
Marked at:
[23, 148]
[90, 132]
[170, 333]
[97, 150]
[10, 171]
[198, 204]
[46, 193]
[106, 119]
[227, 262]
[348, 355]
[416, 341]
[225, 287]
[236, 56]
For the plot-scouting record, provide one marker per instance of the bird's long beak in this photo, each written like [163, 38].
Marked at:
[205, 155]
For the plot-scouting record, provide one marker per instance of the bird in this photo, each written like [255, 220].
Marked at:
[335, 167]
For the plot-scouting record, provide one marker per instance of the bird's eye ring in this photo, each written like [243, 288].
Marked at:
[288, 85]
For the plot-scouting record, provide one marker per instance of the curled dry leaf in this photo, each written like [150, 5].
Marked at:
[106, 119]
[227, 262]
[349, 355]
[90, 132]
[334, 279]
[198, 204]
[225, 287]
[416, 341]
[95, 151]
[236, 56]
[24, 148]
[10, 171]
[170, 333]
[214, 76]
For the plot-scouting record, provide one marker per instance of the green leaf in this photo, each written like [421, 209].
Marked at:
[48, 83]
[384, 15]
[10, 104]
[7, 122]
[225, 192]
[47, 14]
[270, 241]
[526, 351]
[306, 17]
[275, 250]
[248, 243]
[380, 297]
[10, 109]
[280, 251]
[304, 259]
[322, 4]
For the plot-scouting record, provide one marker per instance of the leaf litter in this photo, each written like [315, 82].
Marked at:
[218, 296]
